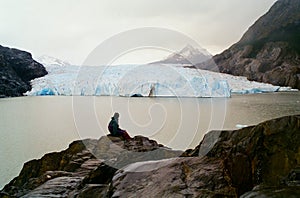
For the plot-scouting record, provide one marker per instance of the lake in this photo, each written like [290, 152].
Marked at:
[33, 126]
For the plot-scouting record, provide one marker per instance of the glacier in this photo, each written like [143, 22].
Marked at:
[163, 80]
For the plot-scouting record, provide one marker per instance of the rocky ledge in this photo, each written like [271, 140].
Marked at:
[257, 161]
[17, 68]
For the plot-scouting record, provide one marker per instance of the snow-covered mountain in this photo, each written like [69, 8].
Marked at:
[51, 61]
[188, 55]
[146, 80]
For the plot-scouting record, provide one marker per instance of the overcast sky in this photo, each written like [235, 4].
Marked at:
[71, 29]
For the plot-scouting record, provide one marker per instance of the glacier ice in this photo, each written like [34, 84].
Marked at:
[127, 80]
[220, 88]
[45, 92]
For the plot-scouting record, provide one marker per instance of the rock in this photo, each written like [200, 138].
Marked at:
[127, 152]
[86, 167]
[17, 68]
[137, 96]
[178, 177]
[225, 164]
[260, 155]
[293, 179]
[269, 51]
[93, 191]
[290, 188]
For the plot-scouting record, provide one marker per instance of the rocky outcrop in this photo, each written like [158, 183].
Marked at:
[225, 164]
[269, 51]
[262, 160]
[85, 168]
[17, 68]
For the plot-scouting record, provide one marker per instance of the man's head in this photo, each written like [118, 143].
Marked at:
[116, 115]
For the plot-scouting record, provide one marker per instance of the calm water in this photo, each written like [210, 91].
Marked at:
[33, 126]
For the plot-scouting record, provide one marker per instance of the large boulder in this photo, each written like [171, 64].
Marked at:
[17, 68]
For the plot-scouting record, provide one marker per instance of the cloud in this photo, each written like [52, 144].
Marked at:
[70, 29]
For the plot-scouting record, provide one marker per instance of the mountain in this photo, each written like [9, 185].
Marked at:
[269, 51]
[51, 61]
[17, 68]
[188, 55]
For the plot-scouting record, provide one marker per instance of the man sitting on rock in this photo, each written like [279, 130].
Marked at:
[114, 129]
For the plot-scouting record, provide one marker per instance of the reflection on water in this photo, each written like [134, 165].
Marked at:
[33, 126]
